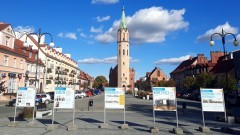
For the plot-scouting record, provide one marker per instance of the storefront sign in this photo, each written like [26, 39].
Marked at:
[164, 98]
[212, 100]
[25, 97]
[64, 98]
[114, 98]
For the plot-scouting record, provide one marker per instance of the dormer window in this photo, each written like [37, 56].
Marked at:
[30, 54]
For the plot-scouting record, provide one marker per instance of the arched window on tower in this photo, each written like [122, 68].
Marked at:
[127, 52]
[123, 52]
[119, 52]
[123, 74]
[127, 37]
[123, 36]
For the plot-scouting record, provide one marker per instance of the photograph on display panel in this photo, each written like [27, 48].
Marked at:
[164, 98]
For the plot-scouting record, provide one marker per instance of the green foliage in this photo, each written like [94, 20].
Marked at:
[189, 83]
[204, 80]
[142, 85]
[169, 83]
[99, 82]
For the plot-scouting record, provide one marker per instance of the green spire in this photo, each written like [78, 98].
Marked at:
[123, 24]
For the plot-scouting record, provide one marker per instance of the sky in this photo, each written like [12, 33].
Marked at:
[163, 33]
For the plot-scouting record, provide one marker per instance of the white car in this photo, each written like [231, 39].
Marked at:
[46, 98]
[79, 94]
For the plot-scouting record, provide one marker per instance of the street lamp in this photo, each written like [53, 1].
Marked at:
[39, 35]
[235, 43]
[223, 34]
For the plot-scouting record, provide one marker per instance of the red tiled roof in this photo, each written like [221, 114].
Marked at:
[223, 66]
[3, 26]
[185, 64]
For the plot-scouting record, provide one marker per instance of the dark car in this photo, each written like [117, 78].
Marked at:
[97, 92]
[12, 102]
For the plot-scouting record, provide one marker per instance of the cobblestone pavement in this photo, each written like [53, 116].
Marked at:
[138, 117]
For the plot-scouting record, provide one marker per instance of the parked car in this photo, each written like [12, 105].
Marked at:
[46, 98]
[51, 95]
[80, 94]
[188, 95]
[97, 92]
[89, 93]
[12, 102]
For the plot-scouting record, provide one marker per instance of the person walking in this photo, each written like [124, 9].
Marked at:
[184, 107]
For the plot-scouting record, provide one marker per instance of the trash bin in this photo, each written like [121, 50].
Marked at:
[90, 102]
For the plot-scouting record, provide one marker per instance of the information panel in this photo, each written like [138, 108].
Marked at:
[26, 97]
[212, 100]
[64, 98]
[114, 98]
[164, 98]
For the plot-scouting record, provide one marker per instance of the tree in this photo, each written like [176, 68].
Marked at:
[99, 82]
[163, 83]
[189, 82]
[204, 80]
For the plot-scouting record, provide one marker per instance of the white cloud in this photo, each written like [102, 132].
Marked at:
[20, 30]
[101, 19]
[109, 60]
[226, 27]
[83, 35]
[148, 25]
[104, 1]
[96, 30]
[172, 61]
[60, 34]
[70, 35]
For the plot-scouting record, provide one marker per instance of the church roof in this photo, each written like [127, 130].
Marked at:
[123, 24]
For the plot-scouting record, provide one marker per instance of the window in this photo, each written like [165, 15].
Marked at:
[123, 36]
[30, 54]
[123, 52]
[123, 74]
[127, 52]
[119, 52]
[5, 61]
[7, 41]
[123, 63]
[21, 64]
[14, 62]
[28, 67]
[158, 73]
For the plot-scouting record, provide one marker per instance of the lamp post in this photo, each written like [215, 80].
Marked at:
[222, 35]
[235, 43]
[39, 36]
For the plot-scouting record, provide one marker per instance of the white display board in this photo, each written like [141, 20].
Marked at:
[64, 98]
[212, 100]
[26, 97]
[164, 98]
[114, 98]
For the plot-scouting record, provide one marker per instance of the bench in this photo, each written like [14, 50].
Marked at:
[40, 114]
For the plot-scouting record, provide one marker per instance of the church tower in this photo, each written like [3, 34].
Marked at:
[123, 52]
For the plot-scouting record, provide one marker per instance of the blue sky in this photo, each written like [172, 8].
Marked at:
[162, 32]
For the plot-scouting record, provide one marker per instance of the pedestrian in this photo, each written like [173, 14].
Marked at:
[184, 106]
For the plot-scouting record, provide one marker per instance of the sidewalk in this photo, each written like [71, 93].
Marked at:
[89, 122]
